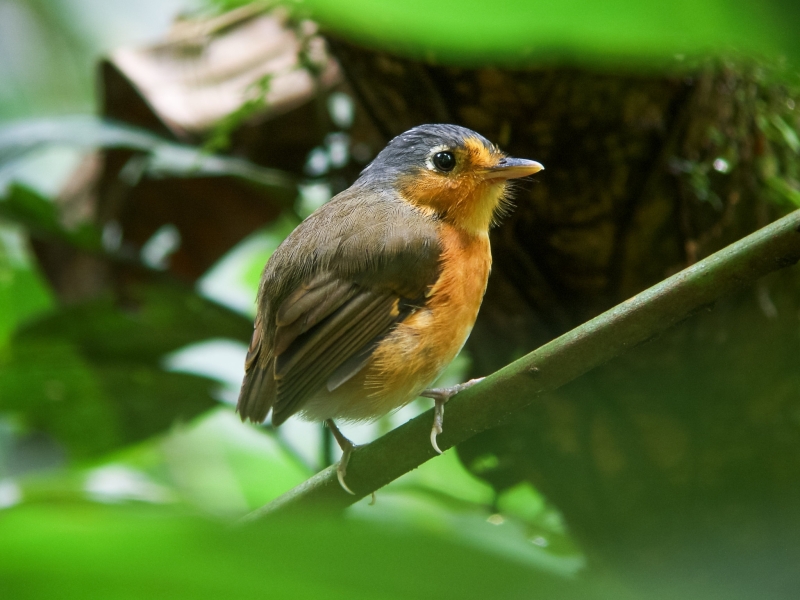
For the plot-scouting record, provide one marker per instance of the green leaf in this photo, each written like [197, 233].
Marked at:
[214, 464]
[23, 294]
[524, 32]
[789, 134]
[225, 467]
[272, 236]
[83, 550]
[39, 215]
[447, 477]
[785, 190]
[233, 280]
[91, 374]
[442, 497]
[163, 318]
[56, 391]
[94, 408]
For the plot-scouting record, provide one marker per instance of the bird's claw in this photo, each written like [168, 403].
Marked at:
[347, 449]
[341, 471]
[440, 396]
[435, 431]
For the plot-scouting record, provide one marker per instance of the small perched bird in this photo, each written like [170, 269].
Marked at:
[369, 299]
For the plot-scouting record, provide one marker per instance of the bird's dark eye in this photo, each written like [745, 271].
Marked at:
[444, 161]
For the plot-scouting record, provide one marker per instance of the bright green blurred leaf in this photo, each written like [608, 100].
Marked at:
[447, 476]
[79, 551]
[226, 467]
[522, 501]
[442, 497]
[233, 280]
[520, 32]
[214, 463]
[271, 237]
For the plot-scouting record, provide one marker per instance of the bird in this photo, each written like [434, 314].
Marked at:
[369, 298]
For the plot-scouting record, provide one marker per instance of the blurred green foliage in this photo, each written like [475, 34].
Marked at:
[39, 216]
[23, 294]
[138, 552]
[607, 33]
[97, 367]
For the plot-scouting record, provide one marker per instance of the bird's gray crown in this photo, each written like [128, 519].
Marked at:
[409, 151]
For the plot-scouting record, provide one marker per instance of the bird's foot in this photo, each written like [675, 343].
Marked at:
[440, 397]
[347, 449]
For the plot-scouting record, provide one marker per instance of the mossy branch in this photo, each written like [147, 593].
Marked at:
[518, 385]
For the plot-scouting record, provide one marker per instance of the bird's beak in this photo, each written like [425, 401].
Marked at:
[512, 168]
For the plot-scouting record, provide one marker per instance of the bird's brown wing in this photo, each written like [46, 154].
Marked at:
[325, 333]
[319, 352]
[321, 330]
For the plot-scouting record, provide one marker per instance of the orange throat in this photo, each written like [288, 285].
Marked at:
[466, 199]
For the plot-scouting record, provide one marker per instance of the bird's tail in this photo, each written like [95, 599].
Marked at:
[259, 386]
[258, 392]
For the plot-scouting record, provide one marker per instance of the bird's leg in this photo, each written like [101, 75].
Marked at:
[347, 448]
[440, 397]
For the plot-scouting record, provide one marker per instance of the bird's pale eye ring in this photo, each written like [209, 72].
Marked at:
[444, 161]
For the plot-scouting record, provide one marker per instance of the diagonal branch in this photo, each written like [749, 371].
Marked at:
[516, 386]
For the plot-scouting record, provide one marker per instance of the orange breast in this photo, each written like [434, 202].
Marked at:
[415, 354]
